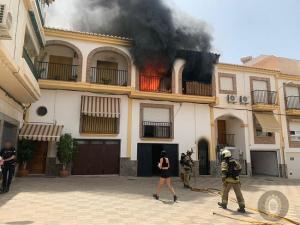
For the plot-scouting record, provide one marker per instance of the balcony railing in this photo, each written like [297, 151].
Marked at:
[30, 63]
[109, 76]
[155, 83]
[293, 102]
[157, 129]
[57, 71]
[197, 88]
[264, 97]
[226, 140]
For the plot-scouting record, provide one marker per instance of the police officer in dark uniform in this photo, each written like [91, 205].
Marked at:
[8, 153]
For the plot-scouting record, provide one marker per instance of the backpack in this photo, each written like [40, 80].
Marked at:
[232, 171]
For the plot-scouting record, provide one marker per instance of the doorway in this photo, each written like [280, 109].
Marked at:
[37, 164]
[148, 157]
[203, 156]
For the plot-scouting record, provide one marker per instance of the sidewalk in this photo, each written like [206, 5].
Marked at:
[122, 200]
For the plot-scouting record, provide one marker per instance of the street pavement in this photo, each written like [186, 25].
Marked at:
[128, 200]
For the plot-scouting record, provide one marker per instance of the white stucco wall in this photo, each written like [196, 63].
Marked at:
[191, 123]
[64, 109]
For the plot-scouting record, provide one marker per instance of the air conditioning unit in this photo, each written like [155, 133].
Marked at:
[295, 135]
[244, 99]
[231, 98]
[5, 22]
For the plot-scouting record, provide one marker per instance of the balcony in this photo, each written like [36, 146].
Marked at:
[109, 76]
[150, 83]
[30, 63]
[292, 104]
[56, 71]
[156, 129]
[226, 140]
[264, 100]
[197, 88]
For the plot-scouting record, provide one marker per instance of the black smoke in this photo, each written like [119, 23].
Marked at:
[157, 37]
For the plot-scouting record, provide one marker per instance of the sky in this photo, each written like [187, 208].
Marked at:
[239, 27]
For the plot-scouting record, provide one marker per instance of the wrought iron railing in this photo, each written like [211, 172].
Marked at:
[264, 97]
[30, 63]
[226, 140]
[292, 102]
[196, 88]
[109, 76]
[57, 71]
[157, 129]
[152, 83]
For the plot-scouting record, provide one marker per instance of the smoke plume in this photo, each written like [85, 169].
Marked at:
[158, 35]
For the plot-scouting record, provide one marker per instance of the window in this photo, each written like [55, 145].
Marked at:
[227, 83]
[156, 121]
[41, 111]
[259, 132]
[100, 115]
[294, 128]
[99, 125]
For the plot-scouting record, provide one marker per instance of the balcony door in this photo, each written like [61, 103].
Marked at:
[107, 72]
[60, 68]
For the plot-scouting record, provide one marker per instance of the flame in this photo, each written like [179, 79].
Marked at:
[151, 76]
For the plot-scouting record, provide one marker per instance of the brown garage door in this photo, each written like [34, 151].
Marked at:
[96, 157]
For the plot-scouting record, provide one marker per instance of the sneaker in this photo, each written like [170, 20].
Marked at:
[155, 196]
[175, 198]
[241, 210]
[224, 206]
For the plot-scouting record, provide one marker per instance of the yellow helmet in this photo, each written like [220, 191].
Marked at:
[226, 153]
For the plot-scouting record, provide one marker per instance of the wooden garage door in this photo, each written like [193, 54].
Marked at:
[97, 157]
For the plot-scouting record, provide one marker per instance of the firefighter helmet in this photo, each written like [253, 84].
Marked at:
[226, 153]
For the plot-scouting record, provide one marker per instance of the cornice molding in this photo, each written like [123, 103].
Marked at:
[242, 68]
[88, 37]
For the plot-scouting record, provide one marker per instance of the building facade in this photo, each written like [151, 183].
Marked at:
[21, 38]
[123, 118]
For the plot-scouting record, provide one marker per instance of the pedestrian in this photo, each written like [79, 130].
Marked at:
[231, 169]
[8, 154]
[188, 164]
[164, 166]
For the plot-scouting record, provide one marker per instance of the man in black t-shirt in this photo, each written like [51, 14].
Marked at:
[8, 154]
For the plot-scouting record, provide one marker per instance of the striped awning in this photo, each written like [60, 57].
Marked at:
[100, 106]
[267, 122]
[40, 132]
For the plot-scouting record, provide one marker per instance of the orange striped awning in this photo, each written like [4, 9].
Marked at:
[100, 106]
[40, 132]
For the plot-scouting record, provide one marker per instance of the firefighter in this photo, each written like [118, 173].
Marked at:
[182, 166]
[231, 169]
[188, 164]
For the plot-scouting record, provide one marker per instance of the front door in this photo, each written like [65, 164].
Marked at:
[203, 155]
[38, 163]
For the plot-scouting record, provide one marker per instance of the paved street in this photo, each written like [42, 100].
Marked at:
[121, 200]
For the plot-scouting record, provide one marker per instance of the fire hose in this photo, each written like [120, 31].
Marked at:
[217, 192]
